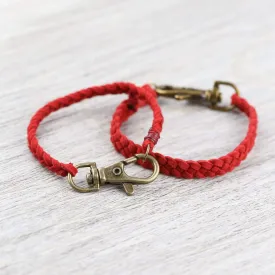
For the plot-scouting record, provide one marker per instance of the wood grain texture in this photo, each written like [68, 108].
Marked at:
[212, 226]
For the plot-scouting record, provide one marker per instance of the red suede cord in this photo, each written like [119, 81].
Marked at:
[145, 93]
[187, 168]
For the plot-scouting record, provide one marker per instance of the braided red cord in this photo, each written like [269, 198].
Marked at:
[188, 169]
[134, 93]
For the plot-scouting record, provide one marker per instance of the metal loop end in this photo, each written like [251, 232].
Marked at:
[146, 153]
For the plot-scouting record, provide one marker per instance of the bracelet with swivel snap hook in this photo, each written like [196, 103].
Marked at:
[189, 168]
[114, 174]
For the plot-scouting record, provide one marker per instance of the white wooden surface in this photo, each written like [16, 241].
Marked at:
[213, 226]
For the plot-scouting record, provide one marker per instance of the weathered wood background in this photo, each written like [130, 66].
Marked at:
[172, 226]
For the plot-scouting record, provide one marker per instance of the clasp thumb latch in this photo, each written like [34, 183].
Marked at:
[115, 174]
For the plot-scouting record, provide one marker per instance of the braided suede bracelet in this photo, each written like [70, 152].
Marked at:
[115, 173]
[179, 167]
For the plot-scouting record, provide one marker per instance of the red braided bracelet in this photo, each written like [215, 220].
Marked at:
[117, 174]
[179, 167]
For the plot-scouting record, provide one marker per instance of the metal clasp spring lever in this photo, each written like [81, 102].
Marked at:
[213, 96]
[114, 174]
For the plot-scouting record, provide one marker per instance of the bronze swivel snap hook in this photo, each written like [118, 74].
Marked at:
[213, 96]
[114, 174]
